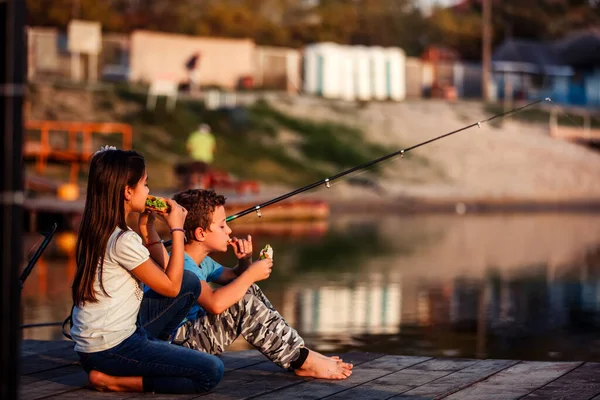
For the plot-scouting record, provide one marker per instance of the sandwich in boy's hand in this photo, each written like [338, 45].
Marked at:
[267, 252]
[157, 204]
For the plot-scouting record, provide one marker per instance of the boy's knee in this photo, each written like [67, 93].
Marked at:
[190, 283]
[248, 298]
[254, 289]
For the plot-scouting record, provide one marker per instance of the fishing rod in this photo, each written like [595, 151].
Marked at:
[47, 238]
[327, 181]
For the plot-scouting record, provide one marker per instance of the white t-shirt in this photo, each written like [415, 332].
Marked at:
[112, 319]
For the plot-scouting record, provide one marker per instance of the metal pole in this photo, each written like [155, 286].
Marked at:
[487, 50]
[13, 67]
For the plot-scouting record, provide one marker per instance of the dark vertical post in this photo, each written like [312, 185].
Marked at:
[12, 92]
[486, 63]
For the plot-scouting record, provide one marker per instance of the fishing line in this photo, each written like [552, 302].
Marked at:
[327, 181]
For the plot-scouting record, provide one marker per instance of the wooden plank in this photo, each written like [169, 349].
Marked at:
[164, 396]
[316, 389]
[266, 377]
[257, 386]
[30, 347]
[456, 381]
[581, 383]
[55, 358]
[52, 382]
[403, 380]
[516, 381]
[240, 359]
[85, 394]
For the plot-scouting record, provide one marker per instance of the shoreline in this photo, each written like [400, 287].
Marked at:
[463, 206]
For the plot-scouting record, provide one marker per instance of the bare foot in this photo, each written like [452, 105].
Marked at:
[322, 367]
[346, 365]
[105, 383]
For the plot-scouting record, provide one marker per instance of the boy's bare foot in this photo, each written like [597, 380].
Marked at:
[105, 383]
[346, 365]
[323, 367]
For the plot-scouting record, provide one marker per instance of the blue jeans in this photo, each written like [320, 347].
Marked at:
[164, 368]
[160, 316]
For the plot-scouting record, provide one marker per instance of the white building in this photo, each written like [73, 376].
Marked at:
[355, 72]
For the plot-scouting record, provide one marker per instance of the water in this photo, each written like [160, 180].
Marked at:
[495, 286]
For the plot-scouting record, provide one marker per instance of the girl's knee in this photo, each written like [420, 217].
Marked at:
[213, 370]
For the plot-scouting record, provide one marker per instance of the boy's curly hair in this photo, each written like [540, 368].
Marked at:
[201, 205]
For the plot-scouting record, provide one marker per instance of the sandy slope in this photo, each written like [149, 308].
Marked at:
[514, 161]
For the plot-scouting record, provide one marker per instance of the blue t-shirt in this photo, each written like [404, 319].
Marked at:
[209, 271]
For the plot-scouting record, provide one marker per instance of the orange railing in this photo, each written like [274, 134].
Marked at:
[79, 146]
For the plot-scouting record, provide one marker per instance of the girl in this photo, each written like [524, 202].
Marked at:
[119, 330]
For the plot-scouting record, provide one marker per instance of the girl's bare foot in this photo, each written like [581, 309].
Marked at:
[322, 367]
[105, 383]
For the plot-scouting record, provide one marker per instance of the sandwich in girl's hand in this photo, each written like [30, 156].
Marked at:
[267, 252]
[157, 204]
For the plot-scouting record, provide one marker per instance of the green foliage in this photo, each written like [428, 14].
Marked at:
[460, 27]
[339, 145]
[247, 144]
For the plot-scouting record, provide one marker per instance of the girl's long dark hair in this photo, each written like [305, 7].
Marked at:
[110, 172]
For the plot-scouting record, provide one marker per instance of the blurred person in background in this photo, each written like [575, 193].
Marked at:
[192, 66]
[200, 146]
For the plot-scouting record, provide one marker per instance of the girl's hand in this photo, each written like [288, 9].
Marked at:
[242, 248]
[176, 217]
[146, 222]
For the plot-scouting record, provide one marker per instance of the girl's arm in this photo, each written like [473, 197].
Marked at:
[152, 240]
[166, 280]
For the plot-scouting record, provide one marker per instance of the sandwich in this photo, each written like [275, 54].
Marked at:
[267, 252]
[157, 204]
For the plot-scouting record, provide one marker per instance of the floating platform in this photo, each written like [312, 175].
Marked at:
[50, 370]
[41, 211]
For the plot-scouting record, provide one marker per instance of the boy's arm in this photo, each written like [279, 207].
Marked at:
[242, 248]
[227, 276]
[215, 301]
[230, 274]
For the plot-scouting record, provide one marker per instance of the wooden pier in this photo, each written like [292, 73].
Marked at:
[50, 370]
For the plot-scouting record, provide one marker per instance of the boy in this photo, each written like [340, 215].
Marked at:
[238, 306]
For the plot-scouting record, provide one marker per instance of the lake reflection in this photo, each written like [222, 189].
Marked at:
[496, 286]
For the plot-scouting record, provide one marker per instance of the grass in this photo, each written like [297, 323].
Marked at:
[339, 145]
[247, 144]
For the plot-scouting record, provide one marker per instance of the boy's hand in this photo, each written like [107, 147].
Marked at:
[242, 248]
[260, 270]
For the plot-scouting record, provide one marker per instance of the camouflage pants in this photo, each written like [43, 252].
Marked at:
[255, 319]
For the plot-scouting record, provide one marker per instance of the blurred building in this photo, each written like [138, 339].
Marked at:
[566, 70]
[145, 56]
[355, 72]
